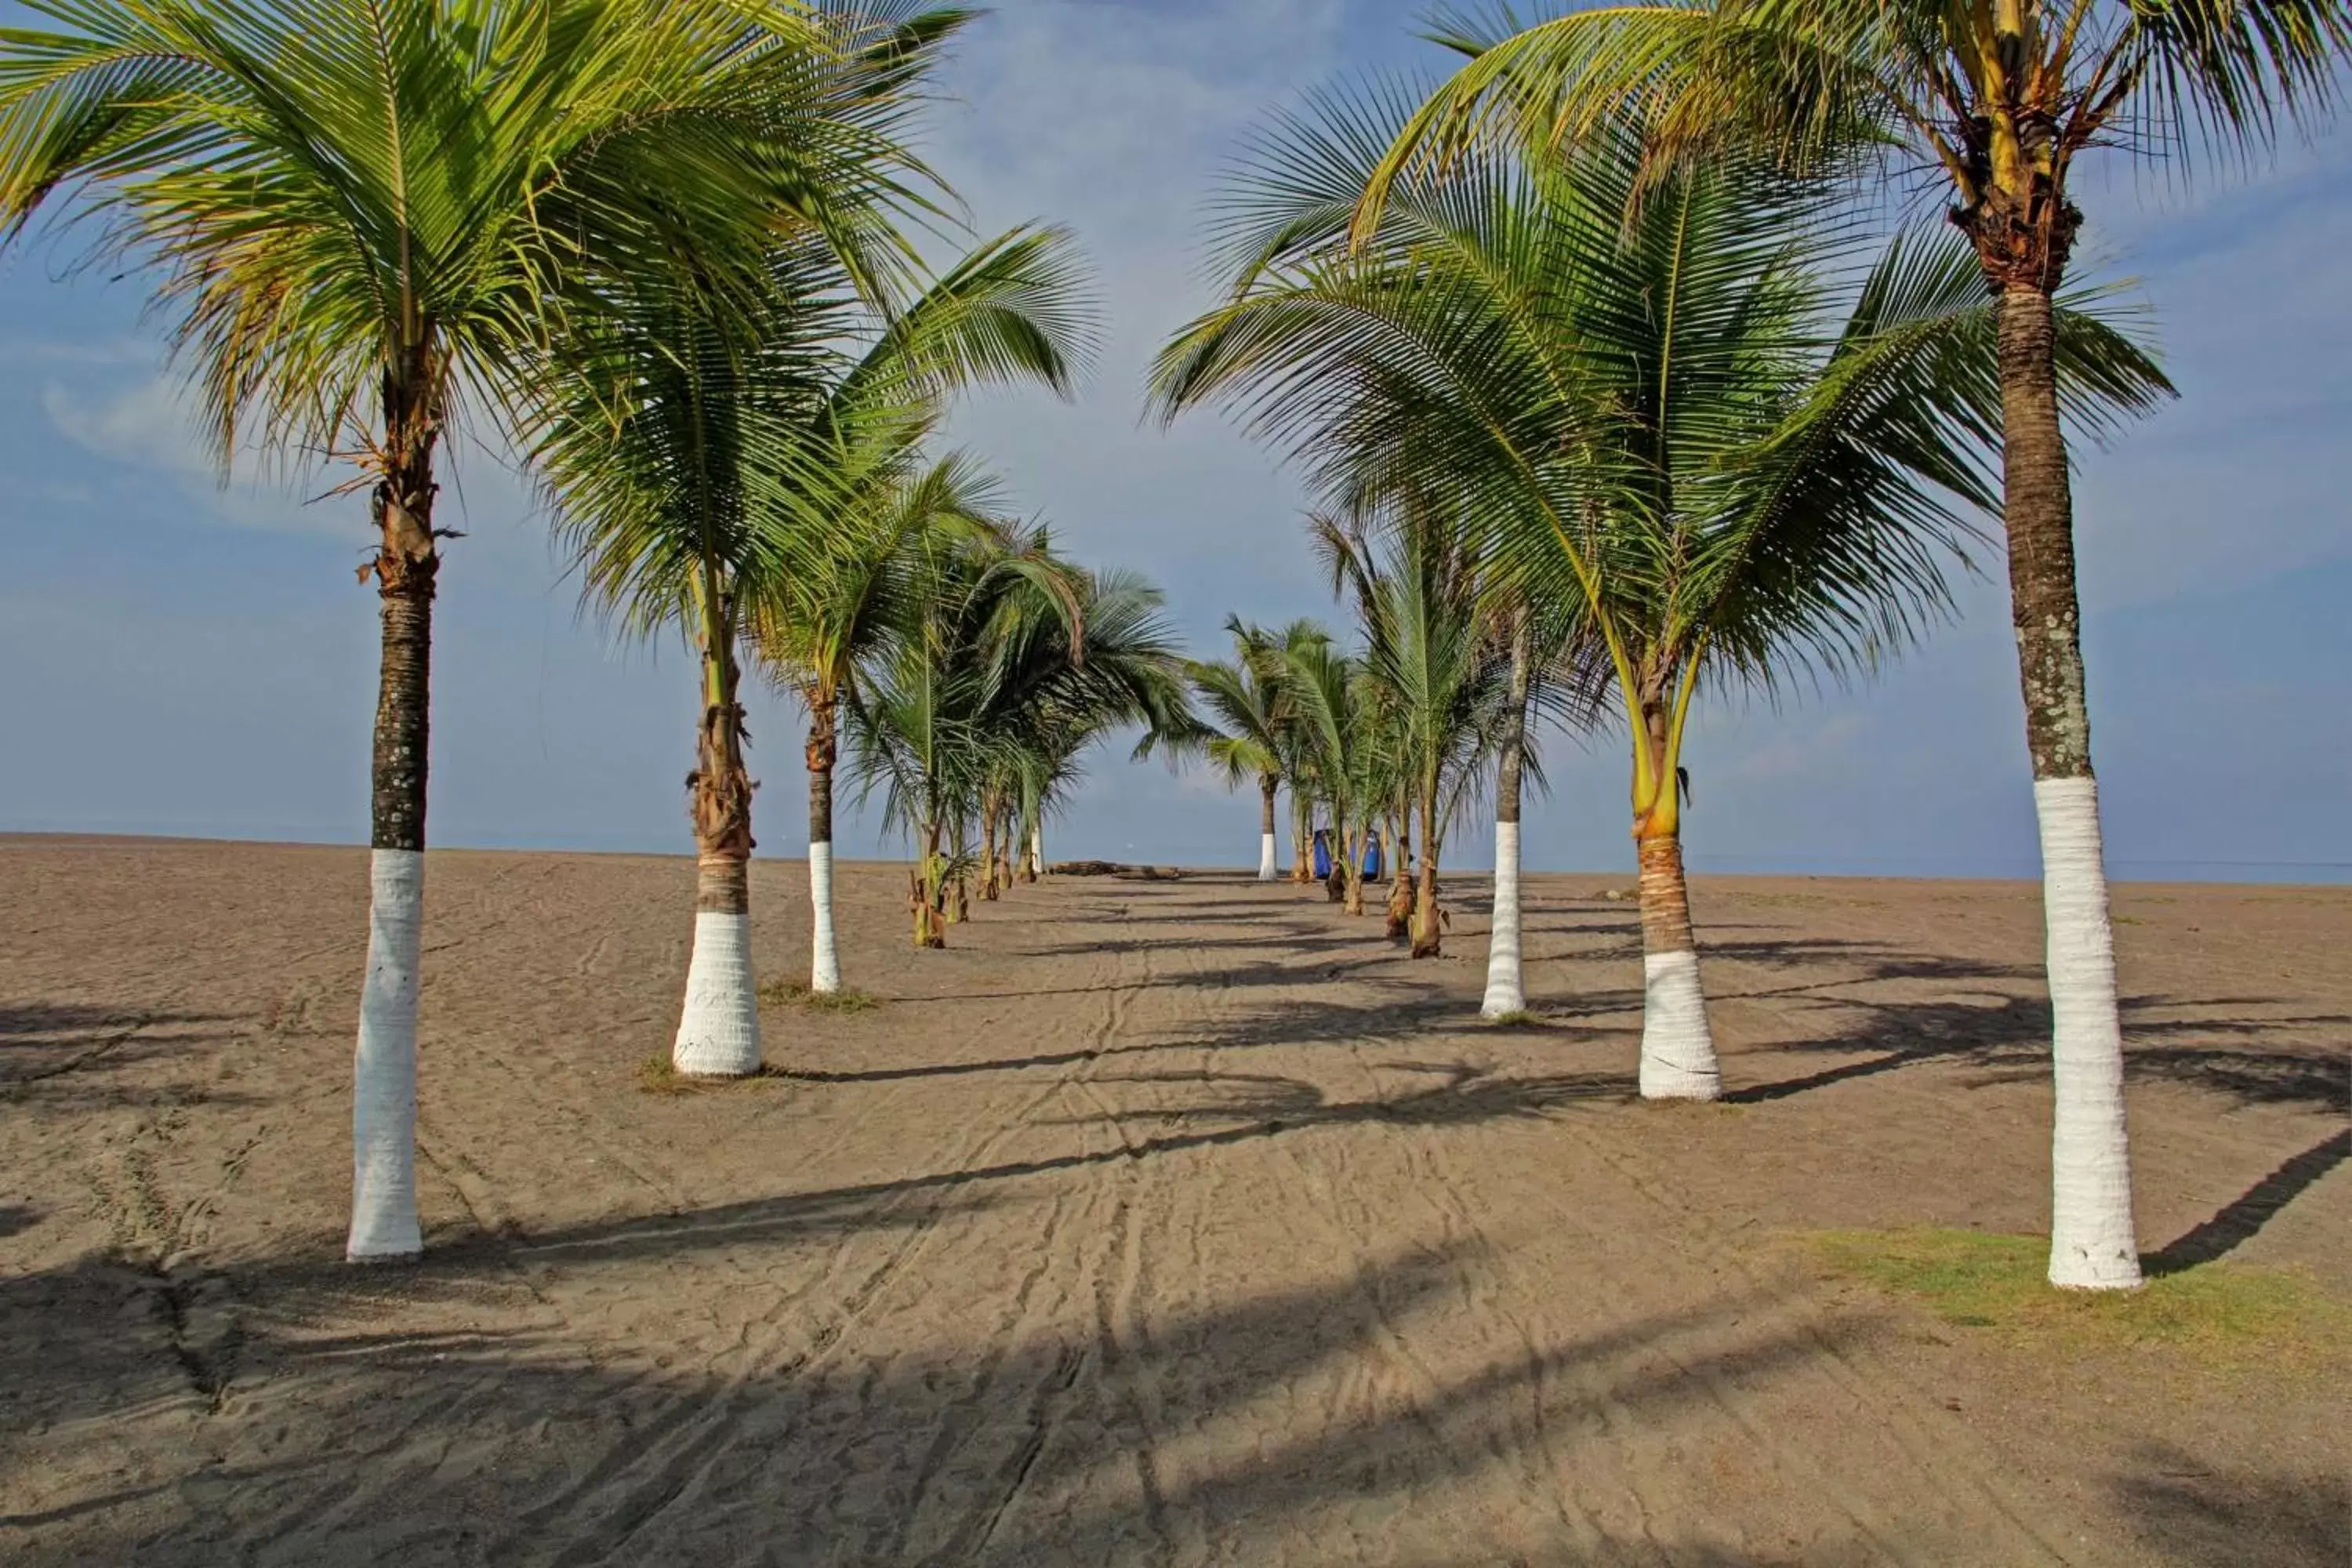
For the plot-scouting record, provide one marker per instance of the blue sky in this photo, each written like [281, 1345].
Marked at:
[178, 657]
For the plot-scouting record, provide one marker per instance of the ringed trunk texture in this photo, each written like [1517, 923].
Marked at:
[988, 855]
[383, 1059]
[925, 893]
[2092, 1242]
[1302, 839]
[1677, 1051]
[719, 1028]
[1506, 986]
[384, 1066]
[1428, 934]
[1400, 910]
[1505, 983]
[1268, 871]
[824, 954]
[1351, 874]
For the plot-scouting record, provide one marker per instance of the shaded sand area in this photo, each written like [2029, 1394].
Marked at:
[1151, 1223]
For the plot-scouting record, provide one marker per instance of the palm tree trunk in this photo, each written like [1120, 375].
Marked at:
[927, 892]
[1266, 869]
[384, 1064]
[1036, 850]
[1427, 938]
[824, 752]
[1677, 1048]
[1400, 910]
[955, 904]
[719, 1029]
[1506, 985]
[2093, 1244]
[988, 851]
[1351, 846]
[1302, 836]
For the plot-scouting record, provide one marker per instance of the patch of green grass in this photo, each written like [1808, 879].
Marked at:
[2218, 1314]
[796, 993]
[659, 1075]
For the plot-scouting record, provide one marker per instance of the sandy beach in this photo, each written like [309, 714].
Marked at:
[1152, 1222]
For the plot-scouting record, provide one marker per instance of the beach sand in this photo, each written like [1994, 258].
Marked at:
[1149, 1223]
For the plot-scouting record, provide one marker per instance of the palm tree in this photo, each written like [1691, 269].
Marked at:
[841, 607]
[368, 217]
[1997, 99]
[1339, 725]
[857, 501]
[702, 451]
[1058, 688]
[1016, 661]
[1244, 736]
[1650, 408]
[1439, 690]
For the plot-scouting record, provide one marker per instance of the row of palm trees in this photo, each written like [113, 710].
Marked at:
[971, 714]
[1602, 314]
[1607, 389]
[1706, 429]
[673, 253]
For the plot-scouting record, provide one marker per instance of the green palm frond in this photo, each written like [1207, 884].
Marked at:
[357, 190]
[1688, 412]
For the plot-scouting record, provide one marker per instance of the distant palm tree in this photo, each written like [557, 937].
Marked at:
[1016, 661]
[842, 606]
[1341, 727]
[1507, 993]
[856, 500]
[1652, 408]
[1271, 654]
[368, 218]
[1244, 717]
[1997, 99]
[1430, 660]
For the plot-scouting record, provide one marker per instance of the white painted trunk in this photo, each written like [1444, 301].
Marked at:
[1265, 869]
[825, 963]
[1677, 1051]
[1036, 851]
[384, 1066]
[1506, 992]
[2092, 1242]
[719, 1032]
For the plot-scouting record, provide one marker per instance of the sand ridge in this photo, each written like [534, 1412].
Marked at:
[1150, 1222]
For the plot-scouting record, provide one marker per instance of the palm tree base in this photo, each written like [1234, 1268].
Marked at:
[825, 953]
[1506, 992]
[2093, 1243]
[383, 1099]
[1677, 1050]
[719, 1029]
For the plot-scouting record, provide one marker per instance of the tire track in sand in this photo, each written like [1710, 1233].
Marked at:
[632, 1494]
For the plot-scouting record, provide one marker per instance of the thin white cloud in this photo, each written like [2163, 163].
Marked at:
[149, 426]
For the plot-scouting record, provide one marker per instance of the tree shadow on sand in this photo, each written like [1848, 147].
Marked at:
[2238, 1221]
[1256, 1423]
[49, 1050]
[2007, 1036]
[2198, 1517]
